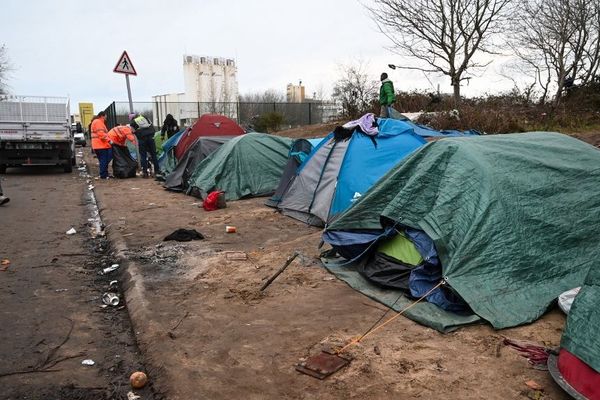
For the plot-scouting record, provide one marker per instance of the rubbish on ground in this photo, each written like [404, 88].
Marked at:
[112, 268]
[329, 278]
[211, 203]
[536, 355]
[5, 264]
[138, 380]
[230, 229]
[323, 364]
[288, 262]
[71, 231]
[184, 235]
[134, 188]
[61, 290]
[565, 300]
[534, 385]
[90, 187]
[236, 256]
[133, 396]
[110, 299]
[88, 362]
[113, 283]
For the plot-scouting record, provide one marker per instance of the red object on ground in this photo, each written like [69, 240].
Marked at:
[579, 375]
[211, 201]
[207, 125]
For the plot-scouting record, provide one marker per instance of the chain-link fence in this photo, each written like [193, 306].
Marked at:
[245, 114]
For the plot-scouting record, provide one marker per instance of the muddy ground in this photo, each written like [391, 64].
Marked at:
[51, 317]
[208, 332]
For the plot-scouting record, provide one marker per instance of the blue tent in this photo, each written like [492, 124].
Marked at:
[166, 159]
[339, 172]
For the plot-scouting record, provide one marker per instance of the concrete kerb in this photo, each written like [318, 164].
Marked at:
[131, 282]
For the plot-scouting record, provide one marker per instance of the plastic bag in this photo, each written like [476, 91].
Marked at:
[565, 300]
[211, 203]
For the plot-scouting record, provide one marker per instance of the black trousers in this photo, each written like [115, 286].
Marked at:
[148, 149]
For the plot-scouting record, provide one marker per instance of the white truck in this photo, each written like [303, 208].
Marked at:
[35, 130]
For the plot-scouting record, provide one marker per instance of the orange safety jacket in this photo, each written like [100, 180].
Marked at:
[100, 138]
[120, 134]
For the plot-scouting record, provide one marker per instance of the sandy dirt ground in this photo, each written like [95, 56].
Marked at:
[50, 314]
[208, 332]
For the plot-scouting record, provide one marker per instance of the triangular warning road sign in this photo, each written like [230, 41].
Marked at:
[125, 66]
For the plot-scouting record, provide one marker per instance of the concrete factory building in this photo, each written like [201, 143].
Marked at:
[210, 85]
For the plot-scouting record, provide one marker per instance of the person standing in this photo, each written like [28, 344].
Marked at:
[144, 131]
[387, 96]
[169, 127]
[101, 143]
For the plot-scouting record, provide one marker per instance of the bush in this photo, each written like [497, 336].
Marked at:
[269, 122]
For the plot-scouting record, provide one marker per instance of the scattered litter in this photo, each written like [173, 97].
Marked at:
[113, 283]
[230, 229]
[151, 204]
[329, 278]
[5, 264]
[534, 385]
[71, 231]
[88, 362]
[184, 235]
[112, 268]
[61, 290]
[133, 396]
[536, 355]
[236, 256]
[110, 299]
[81, 168]
[128, 234]
[91, 187]
[196, 204]
[138, 380]
[135, 188]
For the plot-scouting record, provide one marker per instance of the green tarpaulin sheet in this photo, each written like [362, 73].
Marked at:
[583, 324]
[423, 312]
[247, 165]
[515, 218]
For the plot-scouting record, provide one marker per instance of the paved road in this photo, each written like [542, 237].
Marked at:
[50, 314]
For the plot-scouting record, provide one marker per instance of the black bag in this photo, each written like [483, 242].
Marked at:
[123, 165]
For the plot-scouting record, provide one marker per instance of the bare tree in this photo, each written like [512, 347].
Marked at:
[268, 96]
[557, 41]
[354, 89]
[442, 35]
[4, 70]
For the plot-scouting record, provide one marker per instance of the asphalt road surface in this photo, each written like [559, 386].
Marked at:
[51, 317]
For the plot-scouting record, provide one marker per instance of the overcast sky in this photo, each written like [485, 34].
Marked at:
[70, 47]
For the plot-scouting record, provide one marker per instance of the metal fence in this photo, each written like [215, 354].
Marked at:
[245, 114]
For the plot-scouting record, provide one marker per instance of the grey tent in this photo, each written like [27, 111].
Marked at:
[301, 148]
[202, 147]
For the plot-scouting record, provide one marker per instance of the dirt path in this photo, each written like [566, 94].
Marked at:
[51, 319]
[208, 332]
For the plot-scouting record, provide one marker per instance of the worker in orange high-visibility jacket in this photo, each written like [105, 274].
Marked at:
[120, 134]
[101, 143]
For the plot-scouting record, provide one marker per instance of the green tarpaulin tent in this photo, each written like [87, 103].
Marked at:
[581, 334]
[514, 218]
[247, 165]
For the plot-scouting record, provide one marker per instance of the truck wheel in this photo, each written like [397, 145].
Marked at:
[68, 168]
[2, 168]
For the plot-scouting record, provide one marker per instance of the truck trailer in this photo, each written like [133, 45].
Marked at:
[35, 130]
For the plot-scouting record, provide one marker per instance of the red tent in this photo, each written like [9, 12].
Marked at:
[207, 125]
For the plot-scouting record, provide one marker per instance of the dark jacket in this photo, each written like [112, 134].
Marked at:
[169, 127]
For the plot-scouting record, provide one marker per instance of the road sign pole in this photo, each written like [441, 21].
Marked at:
[129, 94]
